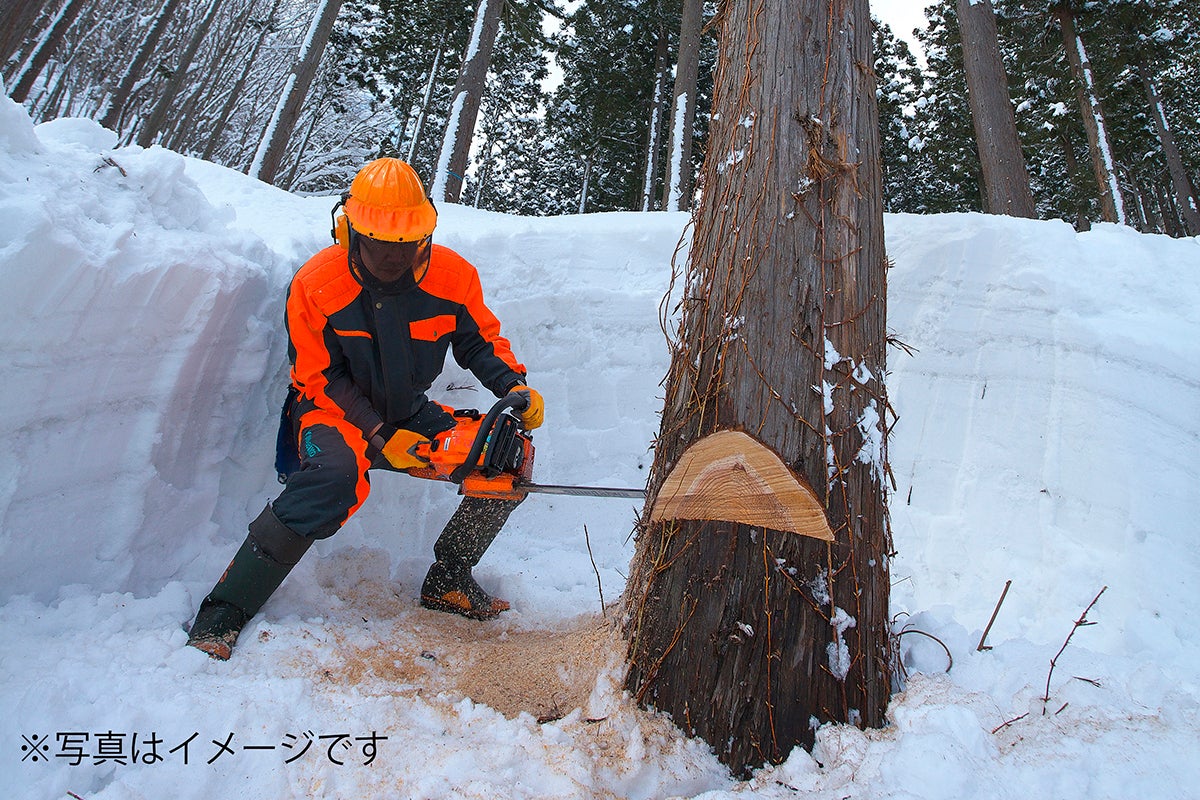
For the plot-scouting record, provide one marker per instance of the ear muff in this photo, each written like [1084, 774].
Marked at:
[340, 231]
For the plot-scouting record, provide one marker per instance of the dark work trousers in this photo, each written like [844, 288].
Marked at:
[333, 481]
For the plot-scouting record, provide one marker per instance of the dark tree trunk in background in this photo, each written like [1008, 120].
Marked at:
[464, 102]
[1005, 179]
[677, 184]
[654, 131]
[1112, 203]
[154, 124]
[49, 44]
[1179, 180]
[17, 18]
[235, 94]
[273, 145]
[745, 635]
[111, 118]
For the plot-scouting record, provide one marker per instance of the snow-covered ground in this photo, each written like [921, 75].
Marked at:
[1049, 435]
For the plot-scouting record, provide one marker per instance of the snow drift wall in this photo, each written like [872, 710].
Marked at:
[137, 342]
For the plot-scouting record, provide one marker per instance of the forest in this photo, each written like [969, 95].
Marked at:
[545, 107]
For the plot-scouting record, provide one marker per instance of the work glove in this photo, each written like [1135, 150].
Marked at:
[534, 411]
[400, 447]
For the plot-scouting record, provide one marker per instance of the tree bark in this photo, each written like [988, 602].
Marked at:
[46, 48]
[1179, 180]
[17, 18]
[1005, 178]
[677, 182]
[115, 107]
[1112, 203]
[153, 124]
[654, 129]
[273, 144]
[464, 103]
[414, 142]
[751, 637]
[218, 129]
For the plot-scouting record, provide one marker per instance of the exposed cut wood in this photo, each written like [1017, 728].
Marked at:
[729, 476]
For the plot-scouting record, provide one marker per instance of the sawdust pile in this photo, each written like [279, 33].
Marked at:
[545, 673]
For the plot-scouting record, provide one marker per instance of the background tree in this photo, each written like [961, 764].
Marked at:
[677, 182]
[1002, 165]
[942, 119]
[1104, 164]
[152, 126]
[899, 85]
[16, 19]
[597, 118]
[749, 637]
[464, 102]
[273, 144]
[114, 107]
[513, 171]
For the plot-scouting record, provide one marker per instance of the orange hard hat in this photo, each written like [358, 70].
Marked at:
[388, 202]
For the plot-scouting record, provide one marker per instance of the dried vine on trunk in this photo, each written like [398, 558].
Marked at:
[751, 637]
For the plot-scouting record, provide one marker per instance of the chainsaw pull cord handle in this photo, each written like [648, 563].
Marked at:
[514, 400]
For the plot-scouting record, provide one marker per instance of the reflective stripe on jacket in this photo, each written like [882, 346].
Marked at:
[371, 357]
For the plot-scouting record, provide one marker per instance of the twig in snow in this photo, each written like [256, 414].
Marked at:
[995, 611]
[1079, 623]
[599, 586]
[949, 666]
[108, 162]
[999, 728]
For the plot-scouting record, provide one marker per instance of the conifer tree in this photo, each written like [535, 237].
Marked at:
[753, 635]
[942, 119]
[905, 165]
[600, 112]
[1002, 164]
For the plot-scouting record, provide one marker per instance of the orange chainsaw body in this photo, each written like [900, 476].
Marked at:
[505, 461]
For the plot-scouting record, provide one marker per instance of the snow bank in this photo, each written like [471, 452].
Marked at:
[136, 335]
[1048, 434]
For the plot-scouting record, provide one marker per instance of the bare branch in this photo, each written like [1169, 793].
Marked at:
[1079, 623]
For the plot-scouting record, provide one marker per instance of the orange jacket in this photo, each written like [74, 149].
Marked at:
[371, 357]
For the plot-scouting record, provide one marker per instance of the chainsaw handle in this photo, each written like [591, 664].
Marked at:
[513, 400]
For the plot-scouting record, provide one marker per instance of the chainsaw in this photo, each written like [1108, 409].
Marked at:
[491, 456]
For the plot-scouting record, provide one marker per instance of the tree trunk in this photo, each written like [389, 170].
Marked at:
[588, 160]
[677, 182]
[153, 124]
[273, 144]
[419, 124]
[115, 105]
[17, 18]
[1179, 179]
[464, 103]
[1172, 224]
[1112, 203]
[654, 130]
[45, 48]
[218, 129]
[751, 637]
[1005, 179]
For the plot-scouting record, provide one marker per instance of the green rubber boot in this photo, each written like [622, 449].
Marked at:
[265, 558]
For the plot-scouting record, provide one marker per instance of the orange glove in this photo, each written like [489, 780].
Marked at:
[535, 411]
[400, 449]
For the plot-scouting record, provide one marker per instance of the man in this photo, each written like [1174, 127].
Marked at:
[369, 322]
